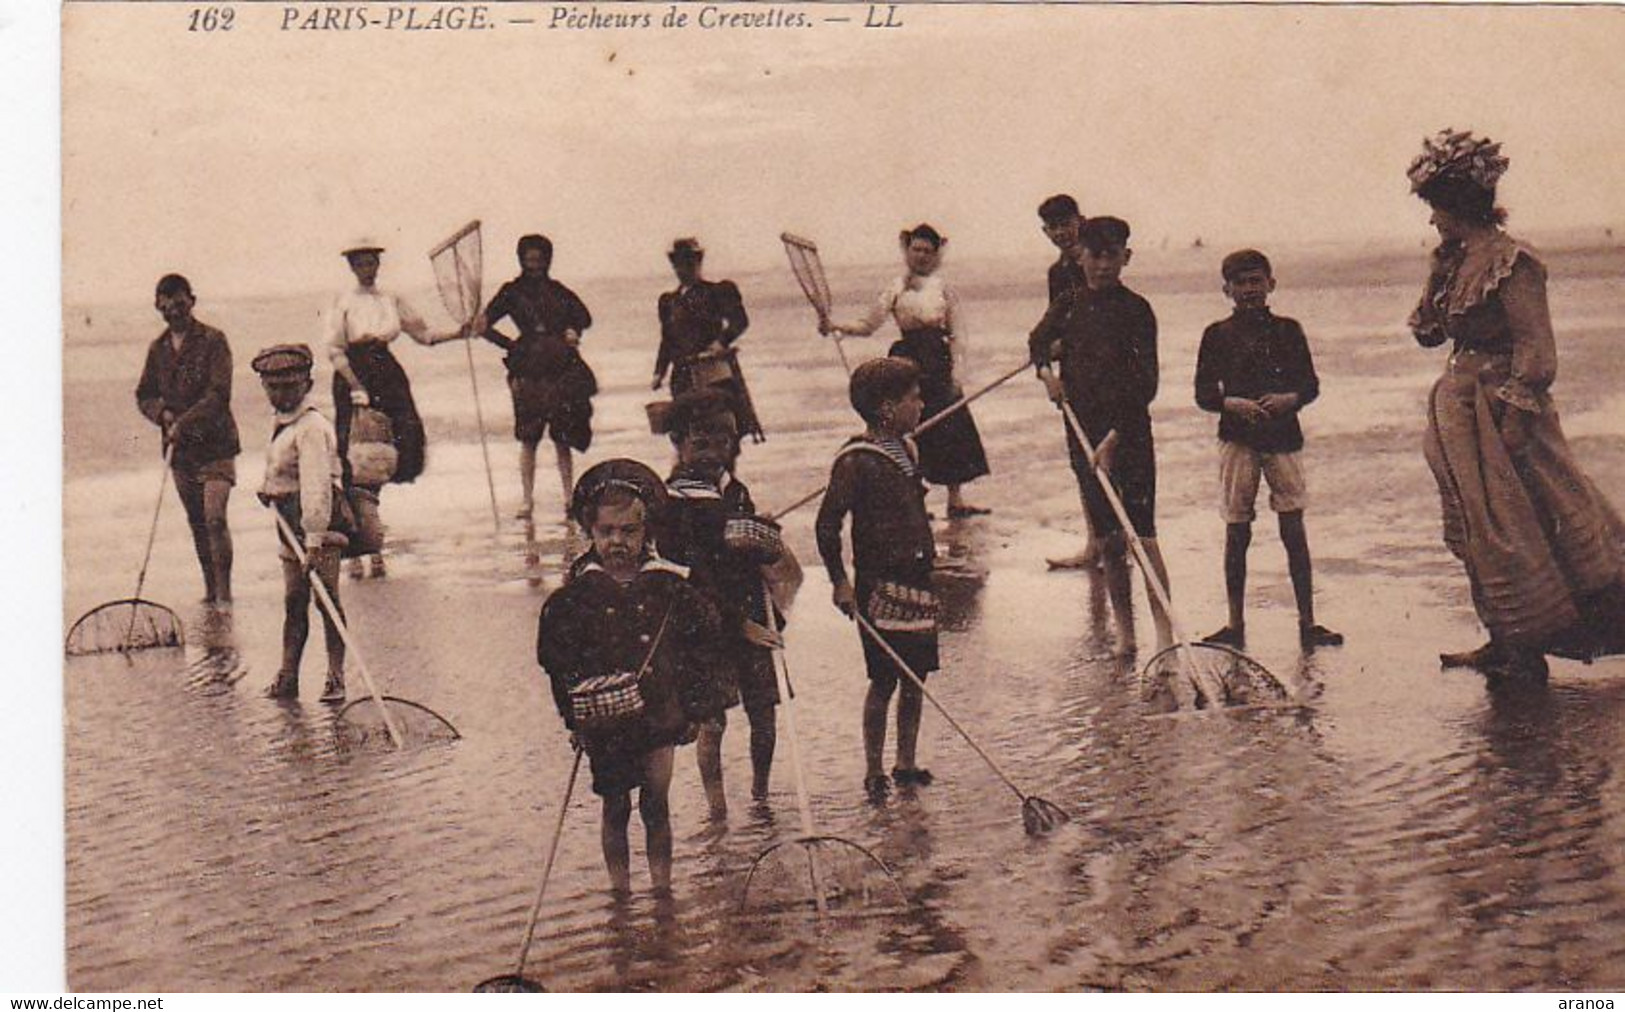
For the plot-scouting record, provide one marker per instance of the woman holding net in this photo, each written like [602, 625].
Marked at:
[1544, 550]
[933, 337]
[359, 328]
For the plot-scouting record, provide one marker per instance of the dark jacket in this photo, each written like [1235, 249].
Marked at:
[1108, 355]
[595, 626]
[891, 533]
[1251, 354]
[692, 318]
[542, 309]
[194, 384]
[691, 534]
[1064, 275]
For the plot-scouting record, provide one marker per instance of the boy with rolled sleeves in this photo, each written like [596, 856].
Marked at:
[1254, 370]
[1107, 339]
[303, 482]
[876, 478]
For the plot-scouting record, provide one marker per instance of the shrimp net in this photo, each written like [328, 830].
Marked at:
[361, 724]
[1191, 677]
[457, 271]
[124, 626]
[824, 876]
[809, 272]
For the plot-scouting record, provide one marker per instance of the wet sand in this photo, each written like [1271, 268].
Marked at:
[1403, 829]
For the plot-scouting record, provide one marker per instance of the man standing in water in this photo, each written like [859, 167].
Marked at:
[551, 385]
[630, 649]
[185, 390]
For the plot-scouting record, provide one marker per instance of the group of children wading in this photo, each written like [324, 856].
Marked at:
[673, 615]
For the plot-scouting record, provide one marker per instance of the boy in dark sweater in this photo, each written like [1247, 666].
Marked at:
[1107, 336]
[1255, 371]
[629, 613]
[876, 478]
[704, 496]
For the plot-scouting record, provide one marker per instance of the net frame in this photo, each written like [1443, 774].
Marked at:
[360, 723]
[1219, 679]
[811, 892]
[148, 625]
[808, 268]
[458, 264]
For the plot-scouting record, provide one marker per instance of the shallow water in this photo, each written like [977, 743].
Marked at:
[1400, 829]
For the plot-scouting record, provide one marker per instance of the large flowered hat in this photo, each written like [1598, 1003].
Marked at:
[1460, 155]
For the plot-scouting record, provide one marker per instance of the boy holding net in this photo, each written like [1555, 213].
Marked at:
[1106, 335]
[1254, 370]
[876, 478]
[630, 649]
[303, 482]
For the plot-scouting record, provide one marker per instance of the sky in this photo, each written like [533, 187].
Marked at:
[247, 159]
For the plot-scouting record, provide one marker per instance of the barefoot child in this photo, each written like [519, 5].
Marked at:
[1255, 371]
[704, 496]
[1108, 353]
[876, 478]
[628, 645]
[303, 479]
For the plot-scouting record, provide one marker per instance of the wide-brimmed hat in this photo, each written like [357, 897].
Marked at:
[365, 244]
[687, 248]
[620, 472]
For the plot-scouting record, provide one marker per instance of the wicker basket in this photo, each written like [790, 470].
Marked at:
[372, 453]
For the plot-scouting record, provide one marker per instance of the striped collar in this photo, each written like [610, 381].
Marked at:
[652, 564]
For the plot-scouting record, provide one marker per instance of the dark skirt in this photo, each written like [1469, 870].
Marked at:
[951, 452]
[721, 372]
[390, 392]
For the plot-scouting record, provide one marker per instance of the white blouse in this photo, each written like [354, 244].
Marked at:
[370, 314]
[915, 302]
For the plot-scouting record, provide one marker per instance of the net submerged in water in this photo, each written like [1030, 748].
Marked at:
[821, 875]
[361, 724]
[125, 626]
[1191, 677]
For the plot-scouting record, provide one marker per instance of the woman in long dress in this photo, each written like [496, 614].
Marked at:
[360, 326]
[933, 337]
[1543, 548]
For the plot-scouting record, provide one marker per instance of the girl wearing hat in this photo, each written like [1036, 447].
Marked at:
[927, 312]
[1544, 550]
[359, 328]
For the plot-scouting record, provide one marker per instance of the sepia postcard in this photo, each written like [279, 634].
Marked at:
[940, 497]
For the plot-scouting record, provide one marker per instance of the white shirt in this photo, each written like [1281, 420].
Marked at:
[371, 314]
[303, 458]
[916, 302]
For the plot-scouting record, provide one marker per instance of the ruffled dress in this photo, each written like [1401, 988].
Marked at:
[1543, 548]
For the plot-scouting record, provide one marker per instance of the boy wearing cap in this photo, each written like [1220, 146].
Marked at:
[551, 384]
[1254, 370]
[628, 614]
[1107, 337]
[185, 390]
[706, 502]
[876, 478]
[303, 482]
